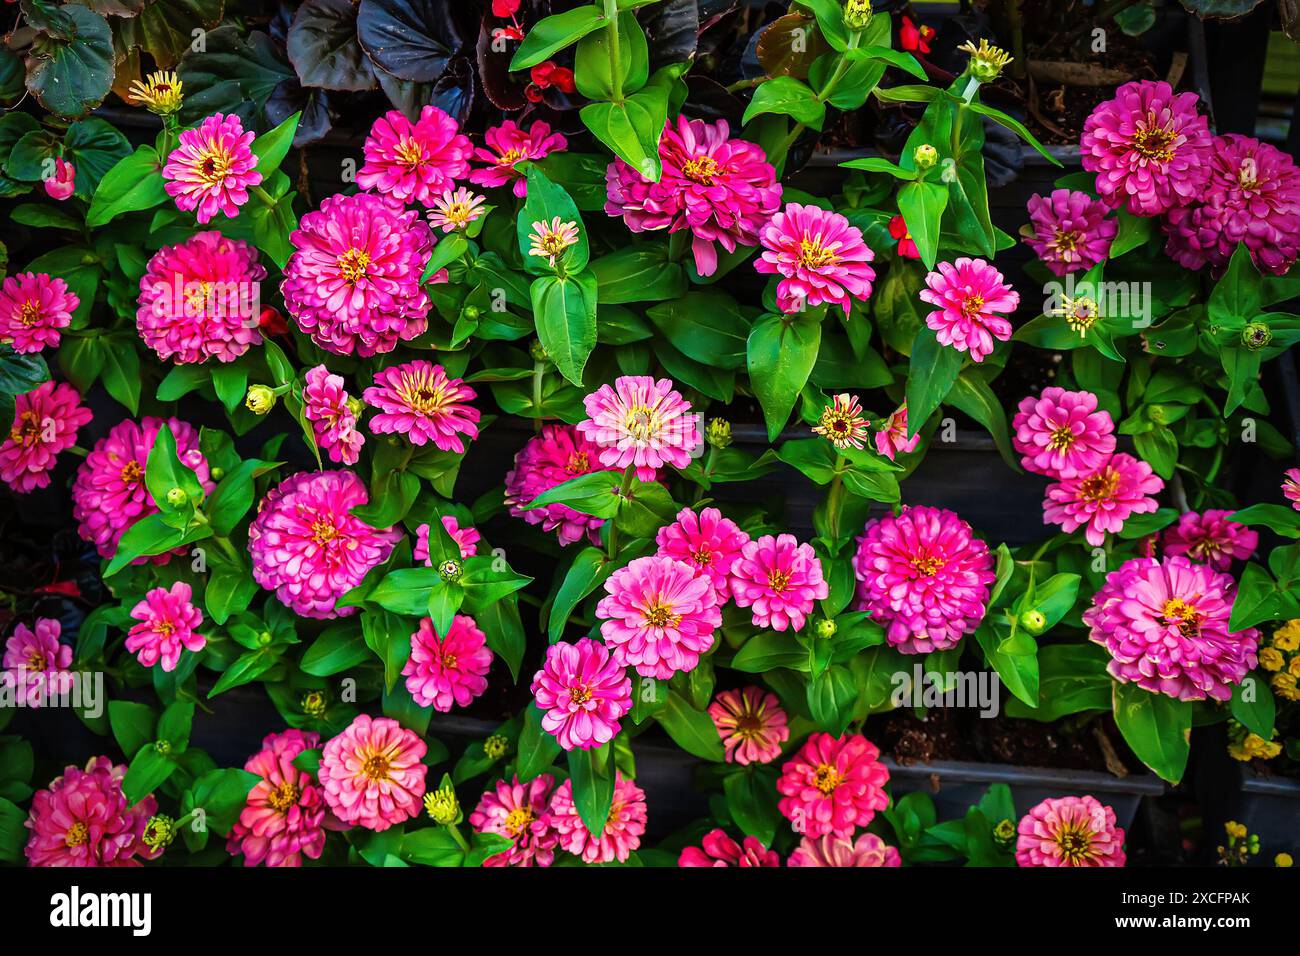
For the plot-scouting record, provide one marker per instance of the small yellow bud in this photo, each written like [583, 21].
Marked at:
[925, 156]
[260, 399]
[442, 806]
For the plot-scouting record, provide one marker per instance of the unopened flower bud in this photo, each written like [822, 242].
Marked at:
[718, 432]
[450, 570]
[986, 61]
[471, 313]
[356, 406]
[217, 473]
[538, 353]
[824, 628]
[313, 704]
[1004, 834]
[495, 746]
[925, 156]
[177, 497]
[1256, 335]
[857, 14]
[1157, 413]
[260, 399]
[163, 747]
[1033, 621]
[442, 806]
[159, 831]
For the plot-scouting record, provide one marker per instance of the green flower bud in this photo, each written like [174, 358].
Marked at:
[471, 313]
[177, 497]
[260, 399]
[159, 831]
[217, 473]
[925, 156]
[824, 628]
[442, 806]
[857, 14]
[1033, 621]
[538, 353]
[986, 61]
[313, 704]
[1004, 834]
[1157, 413]
[450, 570]
[718, 432]
[163, 747]
[1256, 335]
[356, 406]
[495, 746]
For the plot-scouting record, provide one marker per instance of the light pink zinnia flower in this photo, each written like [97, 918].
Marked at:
[1070, 831]
[892, 438]
[708, 541]
[63, 183]
[308, 548]
[212, 168]
[466, 539]
[326, 405]
[751, 723]
[447, 670]
[1062, 434]
[718, 849]
[456, 210]
[1165, 624]
[970, 295]
[353, 281]
[199, 299]
[82, 819]
[1149, 148]
[833, 785]
[623, 828]
[780, 578]
[508, 146]
[821, 255]
[659, 616]
[1291, 487]
[924, 575]
[420, 401]
[167, 622]
[521, 812]
[36, 664]
[723, 190]
[556, 455]
[45, 423]
[33, 307]
[1210, 538]
[283, 818]
[643, 422]
[831, 850]
[1070, 230]
[373, 773]
[414, 162]
[583, 692]
[1102, 500]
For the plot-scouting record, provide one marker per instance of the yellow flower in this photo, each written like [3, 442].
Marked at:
[1235, 830]
[1294, 667]
[986, 61]
[1287, 637]
[158, 92]
[1271, 659]
[260, 399]
[1284, 685]
[442, 805]
[1282, 859]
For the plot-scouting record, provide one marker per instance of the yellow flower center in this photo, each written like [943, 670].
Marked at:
[1065, 243]
[578, 463]
[352, 265]
[826, 778]
[421, 395]
[1099, 487]
[376, 768]
[27, 430]
[702, 557]
[701, 169]
[972, 306]
[164, 628]
[1075, 840]
[778, 581]
[409, 154]
[1184, 615]
[283, 797]
[132, 472]
[642, 423]
[1153, 142]
[579, 694]
[813, 255]
[449, 661]
[926, 564]
[214, 166]
[1062, 438]
[518, 820]
[77, 834]
[661, 615]
[323, 531]
[36, 661]
[29, 313]
[510, 157]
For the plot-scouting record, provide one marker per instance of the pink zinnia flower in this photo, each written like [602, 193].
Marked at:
[892, 438]
[708, 541]
[35, 663]
[906, 244]
[659, 616]
[212, 168]
[1291, 487]
[109, 493]
[414, 162]
[508, 146]
[45, 423]
[623, 828]
[326, 404]
[643, 422]
[353, 281]
[1062, 434]
[1210, 538]
[972, 299]
[200, 299]
[82, 819]
[821, 255]
[583, 692]
[456, 210]
[308, 548]
[831, 850]
[447, 670]
[33, 307]
[521, 812]
[420, 401]
[466, 539]
[167, 622]
[63, 183]
[780, 578]
[373, 773]
[1102, 500]
[723, 190]
[1069, 230]
[925, 576]
[718, 849]
[1070, 831]
[833, 785]
[283, 818]
[1165, 624]
[556, 455]
[751, 723]
[1149, 148]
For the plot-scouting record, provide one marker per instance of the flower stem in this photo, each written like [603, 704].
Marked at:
[263, 195]
[615, 51]
[458, 837]
[835, 499]
[624, 486]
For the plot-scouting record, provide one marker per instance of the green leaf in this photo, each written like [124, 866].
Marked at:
[230, 589]
[133, 725]
[1015, 126]
[752, 801]
[692, 730]
[638, 273]
[270, 148]
[121, 372]
[537, 748]
[1157, 727]
[222, 795]
[593, 62]
[768, 650]
[780, 355]
[706, 326]
[592, 774]
[245, 669]
[432, 846]
[551, 34]
[339, 648]
[922, 205]
[1253, 705]
[389, 637]
[1019, 671]
[931, 374]
[547, 202]
[1072, 680]
[786, 96]
[504, 630]
[971, 394]
[587, 572]
[592, 494]
[148, 771]
[831, 696]
[71, 74]
[632, 128]
[565, 311]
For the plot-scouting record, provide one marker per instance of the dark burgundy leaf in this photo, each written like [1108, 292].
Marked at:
[323, 47]
[672, 30]
[317, 117]
[411, 39]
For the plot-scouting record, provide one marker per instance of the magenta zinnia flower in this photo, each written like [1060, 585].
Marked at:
[1070, 230]
[1165, 624]
[82, 819]
[558, 454]
[833, 785]
[623, 828]
[780, 578]
[45, 423]
[820, 254]
[1210, 538]
[414, 162]
[283, 818]
[1102, 500]
[643, 422]
[466, 539]
[972, 299]
[708, 541]
[1291, 486]
[718, 849]
[1070, 831]
[1062, 434]
[167, 622]
[831, 850]
[420, 401]
[447, 670]
[583, 692]
[308, 548]
[373, 773]
[751, 723]
[723, 190]
[892, 437]
[521, 812]
[33, 307]
[508, 146]
[326, 404]
[36, 664]
[212, 168]
[925, 576]
[353, 281]
[1149, 148]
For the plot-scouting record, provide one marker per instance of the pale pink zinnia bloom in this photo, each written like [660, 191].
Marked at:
[82, 819]
[831, 850]
[833, 785]
[780, 579]
[507, 146]
[641, 421]
[1062, 434]
[308, 548]
[892, 438]
[549, 240]
[820, 254]
[466, 540]
[973, 301]
[708, 541]
[326, 405]
[1210, 538]
[45, 423]
[842, 422]
[420, 401]
[373, 773]
[521, 812]
[1291, 487]
[718, 849]
[1070, 831]
[925, 576]
[414, 162]
[1069, 230]
[36, 663]
[456, 210]
[33, 307]
[1165, 624]
[559, 453]
[63, 183]
[623, 828]
[583, 692]
[283, 818]
[751, 723]
[447, 670]
[212, 168]
[1102, 500]
[168, 619]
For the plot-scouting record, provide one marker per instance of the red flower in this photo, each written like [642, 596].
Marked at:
[906, 245]
[64, 588]
[272, 322]
[913, 38]
[505, 8]
[548, 74]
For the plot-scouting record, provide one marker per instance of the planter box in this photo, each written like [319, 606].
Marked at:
[1270, 808]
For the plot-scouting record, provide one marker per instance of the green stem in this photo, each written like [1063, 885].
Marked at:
[539, 368]
[835, 498]
[227, 548]
[615, 51]
[624, 486]
[263, 195]
[458, 837]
